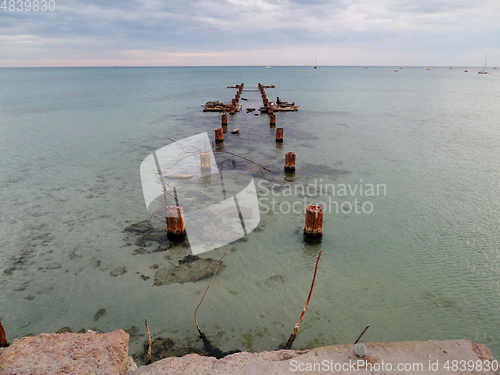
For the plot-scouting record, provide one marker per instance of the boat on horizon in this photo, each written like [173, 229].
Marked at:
[315, 65]
[484, 71]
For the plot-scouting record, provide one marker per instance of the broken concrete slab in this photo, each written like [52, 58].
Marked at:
[431, 357]
[92, 353]
[68, 353]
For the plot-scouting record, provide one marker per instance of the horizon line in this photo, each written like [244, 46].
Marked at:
[240, 66]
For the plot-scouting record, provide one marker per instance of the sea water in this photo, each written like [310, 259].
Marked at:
[416, 257]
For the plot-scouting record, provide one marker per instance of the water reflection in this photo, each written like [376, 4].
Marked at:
[289, 177]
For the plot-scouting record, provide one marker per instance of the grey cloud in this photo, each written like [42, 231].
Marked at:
[209, 25]
[432, 6]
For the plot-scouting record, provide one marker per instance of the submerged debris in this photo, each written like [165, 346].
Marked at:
[216, 106]
[147, 234]
[118, 271]
[190, 269]
[65, 330]
[163, 348]
[140, 227]
[282, 107]
[99, 314]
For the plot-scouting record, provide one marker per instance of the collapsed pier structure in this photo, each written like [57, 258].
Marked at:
[233, 107]
[314, 214]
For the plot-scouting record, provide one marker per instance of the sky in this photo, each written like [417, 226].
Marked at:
[250, 32]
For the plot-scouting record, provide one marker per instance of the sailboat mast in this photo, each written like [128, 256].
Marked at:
[484, 71]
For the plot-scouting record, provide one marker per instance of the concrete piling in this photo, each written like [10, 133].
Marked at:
[205, 162]
[290, 161]
[175, 222]
[314, 221]
[279, 134]
[219, 135]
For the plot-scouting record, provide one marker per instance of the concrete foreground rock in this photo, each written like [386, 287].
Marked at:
[68, 353]
[92, 353]
[414, 357]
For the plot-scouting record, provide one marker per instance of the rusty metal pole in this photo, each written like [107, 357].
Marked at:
[314, 221]
[224, 120]
[3, 337]
[272, 120]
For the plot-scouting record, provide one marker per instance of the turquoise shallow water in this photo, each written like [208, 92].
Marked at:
[424, 264]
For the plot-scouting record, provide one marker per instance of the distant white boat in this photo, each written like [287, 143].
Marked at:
[268, 66]
[484, 71]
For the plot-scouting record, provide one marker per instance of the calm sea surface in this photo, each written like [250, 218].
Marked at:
[418, 259]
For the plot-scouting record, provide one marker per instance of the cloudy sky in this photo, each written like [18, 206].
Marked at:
[251, 32]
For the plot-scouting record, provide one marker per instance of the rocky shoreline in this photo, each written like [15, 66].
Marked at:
[107, 353]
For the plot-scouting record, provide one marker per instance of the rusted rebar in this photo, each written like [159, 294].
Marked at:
[3, 337]
[296, 329]
[202, 335]
[362, 333]
[149, 349]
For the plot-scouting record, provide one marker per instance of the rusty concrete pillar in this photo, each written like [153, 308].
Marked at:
[290, 161]
[314, 221]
